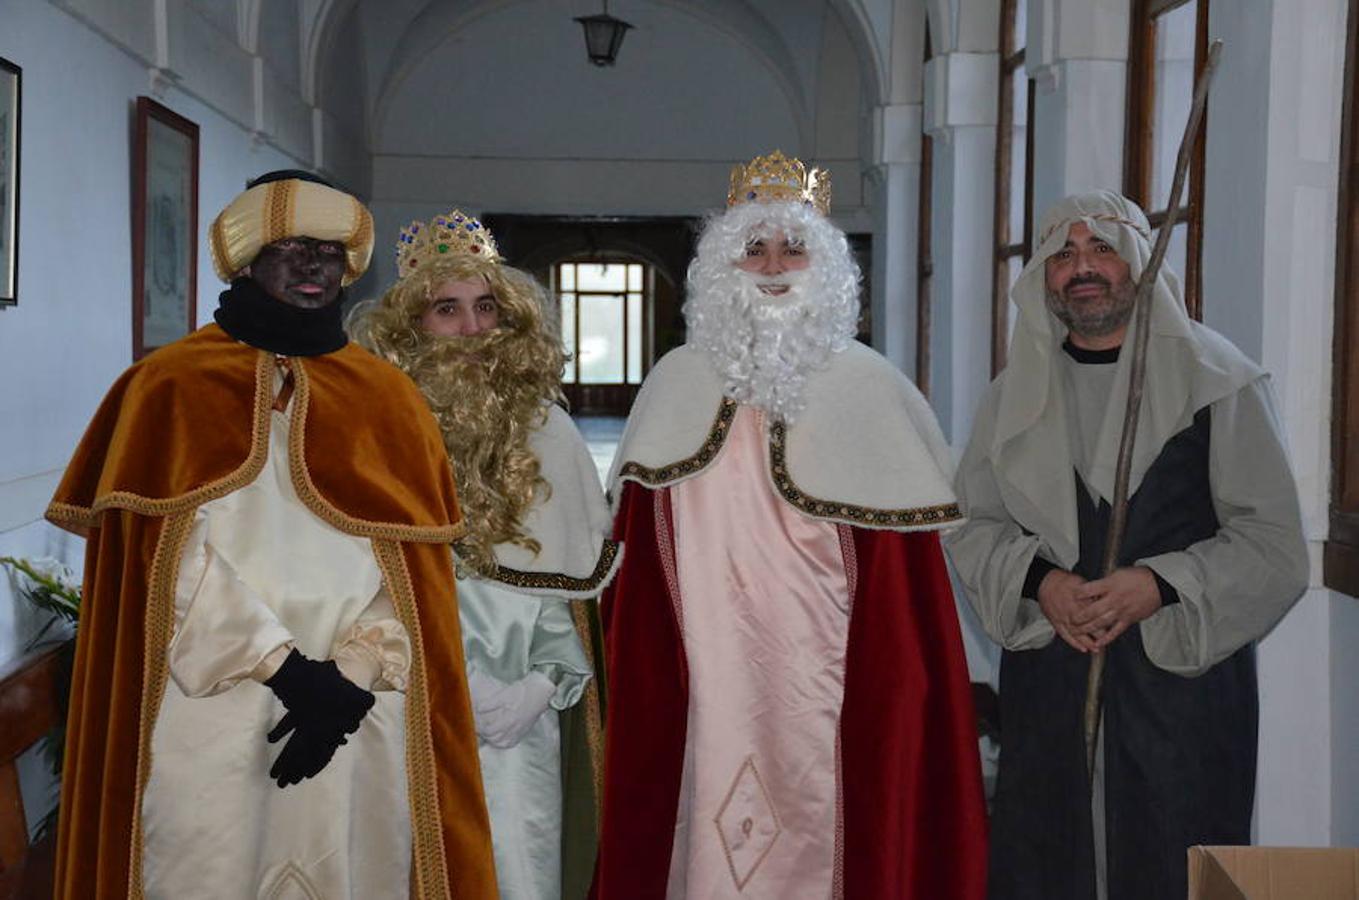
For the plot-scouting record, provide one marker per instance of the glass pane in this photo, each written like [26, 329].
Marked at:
[566, 279]
[1173, 92]
[601, 337]
[569, 335]
[634, 277]
[602, 277]
[634, 336]
[1017, 153]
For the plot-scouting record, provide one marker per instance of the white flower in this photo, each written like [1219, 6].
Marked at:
[58, 571]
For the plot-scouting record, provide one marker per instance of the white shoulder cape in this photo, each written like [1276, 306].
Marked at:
[571, 520]
[866, 451]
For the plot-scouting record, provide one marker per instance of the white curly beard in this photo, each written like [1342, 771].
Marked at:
[765, 345]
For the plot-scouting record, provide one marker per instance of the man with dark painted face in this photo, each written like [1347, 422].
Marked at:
[1212, 558]
[269, 697]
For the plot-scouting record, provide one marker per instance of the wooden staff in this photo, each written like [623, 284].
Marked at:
[1146, 286]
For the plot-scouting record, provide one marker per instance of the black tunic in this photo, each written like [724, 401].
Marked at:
[1179, 753]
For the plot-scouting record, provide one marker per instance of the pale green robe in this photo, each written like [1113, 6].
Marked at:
[508, 634]
[521, 622]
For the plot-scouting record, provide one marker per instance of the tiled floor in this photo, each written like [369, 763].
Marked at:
[601, 434]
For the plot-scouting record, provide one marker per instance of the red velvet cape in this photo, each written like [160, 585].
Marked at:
[914, 818]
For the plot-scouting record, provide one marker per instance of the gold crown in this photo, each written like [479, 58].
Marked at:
[443, 236]
[776, 177]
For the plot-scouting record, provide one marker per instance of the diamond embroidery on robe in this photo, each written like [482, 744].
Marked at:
[747, 824]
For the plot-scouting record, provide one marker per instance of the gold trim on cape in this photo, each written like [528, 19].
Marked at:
[690, 465]
[941, 514]
[158, 629]
[321, 507]
[873, 517]
[429, 867]
[556, 581]
[82, 517]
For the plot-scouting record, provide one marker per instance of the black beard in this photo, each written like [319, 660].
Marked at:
[1096, 318]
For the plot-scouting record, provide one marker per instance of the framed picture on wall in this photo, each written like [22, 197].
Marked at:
[164, 227]
[11, 78]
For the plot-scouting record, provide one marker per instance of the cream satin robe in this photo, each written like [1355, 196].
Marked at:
[259, 573]
[764, 615]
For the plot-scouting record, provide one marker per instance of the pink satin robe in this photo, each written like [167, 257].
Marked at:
[763, 602]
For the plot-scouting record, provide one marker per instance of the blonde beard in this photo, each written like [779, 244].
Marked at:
[489, 393]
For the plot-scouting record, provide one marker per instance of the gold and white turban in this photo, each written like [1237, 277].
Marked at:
[290, 207]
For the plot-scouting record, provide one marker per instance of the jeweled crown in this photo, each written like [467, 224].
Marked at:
[776, 177]
[443, 236]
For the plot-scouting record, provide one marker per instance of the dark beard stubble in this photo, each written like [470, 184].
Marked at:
[1098, 317]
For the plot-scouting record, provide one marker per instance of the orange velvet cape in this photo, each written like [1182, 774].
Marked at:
[186, 425]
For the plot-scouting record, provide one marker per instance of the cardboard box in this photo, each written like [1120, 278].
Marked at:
[1273, 873]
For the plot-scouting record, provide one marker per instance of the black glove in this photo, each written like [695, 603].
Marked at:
[323, 706]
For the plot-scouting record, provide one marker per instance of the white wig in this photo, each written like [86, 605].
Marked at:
[763, 346]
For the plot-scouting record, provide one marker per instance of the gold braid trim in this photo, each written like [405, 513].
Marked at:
[941, 514]
[88, 516]
[555, 581]
[278, 210]
[594, 720]
[158, 629]
[322, 508]
[217, 244]
[361, 236]
[691, 465]
[429, 866]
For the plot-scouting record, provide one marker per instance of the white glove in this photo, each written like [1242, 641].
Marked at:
[504, 713]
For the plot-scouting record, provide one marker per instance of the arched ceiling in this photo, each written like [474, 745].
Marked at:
[669, 97]
[429, 62]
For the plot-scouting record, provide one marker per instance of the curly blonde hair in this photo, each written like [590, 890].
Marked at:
[488, 392]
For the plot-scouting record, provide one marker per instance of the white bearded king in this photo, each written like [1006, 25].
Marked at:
[764, 344]
[789, 709]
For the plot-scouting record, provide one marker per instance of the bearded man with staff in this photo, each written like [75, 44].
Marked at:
[1213, 556]
[474, 335]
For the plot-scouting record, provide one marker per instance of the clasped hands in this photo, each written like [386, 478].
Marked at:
[1089, 615]
[322, 708]
[504, 712]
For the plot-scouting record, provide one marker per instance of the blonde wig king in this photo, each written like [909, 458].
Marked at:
[488, 392]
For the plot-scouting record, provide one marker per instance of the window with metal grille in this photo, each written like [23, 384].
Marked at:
[1012, 224]
[603, 316]
[1167, 48]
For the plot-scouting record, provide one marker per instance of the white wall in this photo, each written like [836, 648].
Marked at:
[1269, 263]
[71, 333]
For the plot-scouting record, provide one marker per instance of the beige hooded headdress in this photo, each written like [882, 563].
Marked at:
[1188, 367]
